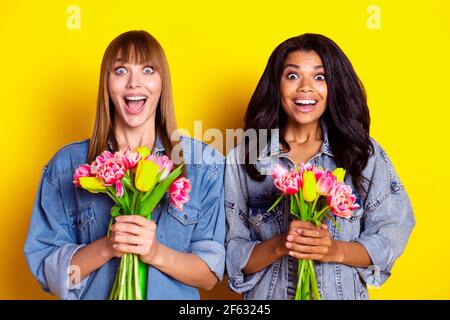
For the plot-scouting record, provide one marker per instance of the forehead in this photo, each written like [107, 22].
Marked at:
[132, 55]
[303, 59]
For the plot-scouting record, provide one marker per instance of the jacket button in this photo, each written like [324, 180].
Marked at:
[185, 217]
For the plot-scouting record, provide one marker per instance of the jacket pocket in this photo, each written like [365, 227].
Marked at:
[265, 224]
[189, 214]
[179, 225]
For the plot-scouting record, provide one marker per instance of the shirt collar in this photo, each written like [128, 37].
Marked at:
[158, 148]
[273, 148]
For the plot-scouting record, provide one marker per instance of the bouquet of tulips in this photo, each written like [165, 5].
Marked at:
[136, 181]
[313, 192]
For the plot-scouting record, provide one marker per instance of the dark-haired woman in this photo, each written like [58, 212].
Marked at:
[311, 107]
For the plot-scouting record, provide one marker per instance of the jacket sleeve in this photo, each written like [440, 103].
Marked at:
[209, 234]
[51, 243]
[388, 219]
[239, 243]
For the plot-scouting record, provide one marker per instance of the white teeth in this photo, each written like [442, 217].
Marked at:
[299, 101]
[136, 98]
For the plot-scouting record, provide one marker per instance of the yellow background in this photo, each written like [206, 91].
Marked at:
[217, 51]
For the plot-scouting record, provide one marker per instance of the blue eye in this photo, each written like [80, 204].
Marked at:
[320, 77]
[148, 70]
[120, 70]
[292, 76]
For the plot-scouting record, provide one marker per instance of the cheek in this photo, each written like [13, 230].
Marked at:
[323, 91]
[285, 90]
[115, 88]
[154, 84]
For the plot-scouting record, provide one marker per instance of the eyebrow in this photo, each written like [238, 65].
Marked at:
[296, 66]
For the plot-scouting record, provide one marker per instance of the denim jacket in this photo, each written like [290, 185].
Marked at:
[382, 225]
[66, 218]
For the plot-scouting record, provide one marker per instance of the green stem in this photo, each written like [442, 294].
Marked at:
[137, 287]
[334, 222]
[114, 287]
[133, 203]
[306, 293]
[311, 214]
[297, 200]
[123, 278]
[318, 214]
[300, 271]
[109, 226]
[315, 289]
[116, 294]
[129, 275]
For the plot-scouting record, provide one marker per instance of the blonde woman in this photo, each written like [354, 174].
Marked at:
[184, 249]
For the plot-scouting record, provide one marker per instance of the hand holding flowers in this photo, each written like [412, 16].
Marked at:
[136, 181]
[313, 192]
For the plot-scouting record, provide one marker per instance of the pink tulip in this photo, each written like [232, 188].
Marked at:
[119, 188]
[164, 163]
[111, 171]
[279, 171]
[99, 161]
[318, 171]
[288, 182]
[179, 192]
[341, 200]
[82, 171]
[129, 158]
[325, 183]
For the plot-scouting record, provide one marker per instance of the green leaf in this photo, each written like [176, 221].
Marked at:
[294, 208]
[276, 203]
[115, 211]
[127, 182]
[334, 222]
[148, 204]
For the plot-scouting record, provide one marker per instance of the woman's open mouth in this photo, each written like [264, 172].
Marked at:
[305, 105]
[135, 104]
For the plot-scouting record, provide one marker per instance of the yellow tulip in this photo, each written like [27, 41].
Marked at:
[143, 151]
[309, 188]
[339, 173]
[146, 173]
[92, 184]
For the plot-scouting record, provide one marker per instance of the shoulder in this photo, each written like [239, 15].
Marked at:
[235, 154]
[382, 178]
[378, 160]
[67, 159]
[201, 155]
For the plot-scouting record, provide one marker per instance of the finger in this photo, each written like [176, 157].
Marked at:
[134, 218]
[305, 240]
[114, 234]
[306, 249]
[312, 233]
[126, 248]
[128, 228]
[302, 224]
[324, 226]
[317, 257]
[130, 239]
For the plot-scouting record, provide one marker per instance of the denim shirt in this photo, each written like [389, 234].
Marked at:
[382, 225]
[66, 218]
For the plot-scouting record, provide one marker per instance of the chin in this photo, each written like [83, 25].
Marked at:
[305, 119]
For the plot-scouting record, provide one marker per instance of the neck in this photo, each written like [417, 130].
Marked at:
[303, 133]
[135, 137]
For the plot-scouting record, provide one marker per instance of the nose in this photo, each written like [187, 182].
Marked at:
[133, 81]
[305, 85]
